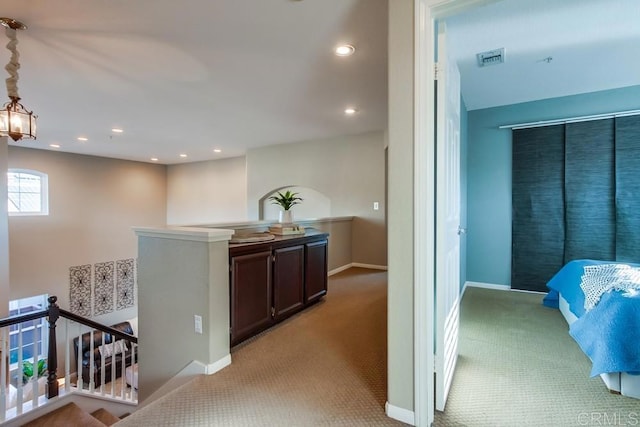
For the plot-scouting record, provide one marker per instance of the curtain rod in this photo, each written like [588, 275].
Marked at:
[570, 120]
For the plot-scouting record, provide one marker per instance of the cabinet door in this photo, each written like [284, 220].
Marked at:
[250, 295]
[316, 271]
[288, 278]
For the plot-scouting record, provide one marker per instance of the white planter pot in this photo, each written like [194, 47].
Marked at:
[286, 217]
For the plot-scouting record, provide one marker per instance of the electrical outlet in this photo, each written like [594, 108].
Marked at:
[376, 206]
[198, 321]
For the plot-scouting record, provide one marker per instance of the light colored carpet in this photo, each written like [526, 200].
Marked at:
[518, 366]
[324, 366]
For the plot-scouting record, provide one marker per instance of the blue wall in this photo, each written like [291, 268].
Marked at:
[489, 172]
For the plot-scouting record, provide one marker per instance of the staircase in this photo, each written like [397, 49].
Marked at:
[71, 415]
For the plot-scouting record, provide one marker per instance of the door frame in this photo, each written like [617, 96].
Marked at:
[426, 12]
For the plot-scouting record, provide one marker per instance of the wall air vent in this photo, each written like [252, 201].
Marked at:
[492, 57]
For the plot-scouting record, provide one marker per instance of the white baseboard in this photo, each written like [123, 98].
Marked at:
[216, 366]
[370, 266]
[187, 373]
[487, 286]
[339, 269]
[356, 264]
[400, 414]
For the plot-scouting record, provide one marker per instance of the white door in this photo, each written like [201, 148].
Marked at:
[447, 273]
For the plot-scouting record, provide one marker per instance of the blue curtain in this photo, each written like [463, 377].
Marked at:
[589, 187]
[537, 206]
[574, 196]
[627, 196]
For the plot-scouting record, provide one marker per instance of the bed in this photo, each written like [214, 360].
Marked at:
[605, 324]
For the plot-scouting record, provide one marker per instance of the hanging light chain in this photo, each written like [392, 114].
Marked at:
[13, 66]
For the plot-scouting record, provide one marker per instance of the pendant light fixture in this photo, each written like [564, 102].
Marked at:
[15, 121]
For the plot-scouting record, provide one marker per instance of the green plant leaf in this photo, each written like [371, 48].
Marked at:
[286, 200]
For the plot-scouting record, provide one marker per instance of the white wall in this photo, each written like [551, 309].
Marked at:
[401, 255]
[93, 203]
[207, 192]
[349, 170]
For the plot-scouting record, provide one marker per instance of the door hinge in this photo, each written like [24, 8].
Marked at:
[273, 258]
[230, 330]
[273, 312]
[435, 71]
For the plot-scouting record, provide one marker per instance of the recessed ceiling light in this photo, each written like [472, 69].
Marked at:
[345, 50]
[217, 150]
[82, 138]
[350, 111]
[154, 159]
[183, 155]
[116, 130]
[54, 145]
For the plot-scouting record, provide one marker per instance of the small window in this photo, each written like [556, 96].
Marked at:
[34, 333]
[28, 192]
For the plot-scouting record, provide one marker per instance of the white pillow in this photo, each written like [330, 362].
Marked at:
[107, 350]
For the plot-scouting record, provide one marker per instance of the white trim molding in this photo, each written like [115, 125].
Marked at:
[339, 269]
[400, 414]
[358, 265]
[487, 286]
[218, 365]
[185, 233]
[369, 266]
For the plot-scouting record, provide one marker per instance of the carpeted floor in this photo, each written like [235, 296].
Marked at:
[324, 366]
[518, 366]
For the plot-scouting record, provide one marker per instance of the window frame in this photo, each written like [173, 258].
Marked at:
[44, 192]
[17, 307]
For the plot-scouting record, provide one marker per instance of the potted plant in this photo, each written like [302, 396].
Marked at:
[286, 201]
[28, 370]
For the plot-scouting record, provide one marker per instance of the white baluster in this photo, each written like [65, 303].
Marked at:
[20, 371]
[102, 366]
[67, 358]
[91, 363]
[134, 373]
[79, 380]
[34, 379]
[4, 352]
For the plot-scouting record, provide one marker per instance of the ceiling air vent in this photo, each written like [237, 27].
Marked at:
[491, 57]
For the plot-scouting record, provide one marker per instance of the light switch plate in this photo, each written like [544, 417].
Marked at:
[198, 322]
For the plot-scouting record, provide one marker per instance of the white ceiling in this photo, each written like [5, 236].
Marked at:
[191, 76]
[595, 45]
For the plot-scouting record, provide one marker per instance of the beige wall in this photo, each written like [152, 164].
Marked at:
[195, 282]
[207, 192]
[93, 203]
[350, 170]
[401, 267]
[4, 230]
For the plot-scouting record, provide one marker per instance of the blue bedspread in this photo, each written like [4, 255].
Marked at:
[609, 333]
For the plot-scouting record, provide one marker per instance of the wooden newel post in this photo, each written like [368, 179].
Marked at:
[52, 355]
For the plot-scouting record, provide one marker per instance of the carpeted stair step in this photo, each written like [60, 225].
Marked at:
[70, 415]
[106, 417]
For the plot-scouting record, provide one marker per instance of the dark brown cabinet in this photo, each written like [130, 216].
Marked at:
[270, 281]
[250, 302]
[288, 276]
[316, 269]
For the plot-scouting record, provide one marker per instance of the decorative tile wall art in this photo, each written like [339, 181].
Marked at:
[103, 288]
[80, 290]
[125, 278]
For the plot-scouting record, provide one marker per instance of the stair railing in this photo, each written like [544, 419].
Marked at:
[53, 314]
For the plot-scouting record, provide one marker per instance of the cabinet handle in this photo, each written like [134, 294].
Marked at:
[273, 312]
